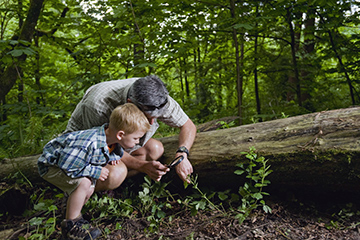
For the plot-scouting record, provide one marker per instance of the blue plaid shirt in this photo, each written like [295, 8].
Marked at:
[79, 154]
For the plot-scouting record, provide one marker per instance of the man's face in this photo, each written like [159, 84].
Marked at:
[151, 112]
[150, 118]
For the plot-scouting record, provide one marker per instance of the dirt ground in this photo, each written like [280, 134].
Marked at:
[279, 225]
[285, 222]
[291, 218]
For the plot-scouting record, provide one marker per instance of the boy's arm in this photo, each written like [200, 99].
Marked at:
[76, 163]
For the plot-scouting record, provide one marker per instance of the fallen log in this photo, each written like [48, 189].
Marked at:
[314, 150]
[318, 150]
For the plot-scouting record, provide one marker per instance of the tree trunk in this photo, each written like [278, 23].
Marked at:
[239, 82]
[9, 75]
[294, 80]
[308, 66]
[318, 150]
[256, 81]
[338, 54]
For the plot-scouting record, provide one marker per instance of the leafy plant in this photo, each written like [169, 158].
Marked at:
[151, 206]
[151, 203]
[344, 215]
[43, 227]
[224, 124]
[256, 170]
[104, 206]
[204, 201]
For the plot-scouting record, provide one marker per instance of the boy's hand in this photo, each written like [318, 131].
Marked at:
[104, 174]
[116, 162]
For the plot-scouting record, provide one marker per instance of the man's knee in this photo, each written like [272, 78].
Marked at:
[154, 148]
[117, 175]
[151, 151]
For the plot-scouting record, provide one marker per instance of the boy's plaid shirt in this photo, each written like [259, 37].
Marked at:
[79, 154]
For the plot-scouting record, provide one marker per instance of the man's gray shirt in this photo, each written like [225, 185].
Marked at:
[100, 99]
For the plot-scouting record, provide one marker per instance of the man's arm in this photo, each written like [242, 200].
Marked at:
[154, 169]
[186, 138]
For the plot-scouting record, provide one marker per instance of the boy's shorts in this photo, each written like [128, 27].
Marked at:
[58, 177]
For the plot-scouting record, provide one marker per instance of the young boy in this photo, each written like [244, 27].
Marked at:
[75, 161]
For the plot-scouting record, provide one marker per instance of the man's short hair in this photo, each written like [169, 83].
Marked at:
[148, 91]
[128, 118]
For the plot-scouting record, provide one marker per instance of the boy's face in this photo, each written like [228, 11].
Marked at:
[130, 140]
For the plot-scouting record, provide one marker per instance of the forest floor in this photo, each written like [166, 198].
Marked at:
[281, 224]
[291, 218]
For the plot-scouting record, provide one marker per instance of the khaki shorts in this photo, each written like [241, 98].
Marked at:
[58, 177]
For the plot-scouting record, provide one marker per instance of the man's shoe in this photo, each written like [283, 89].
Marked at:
[78, 229]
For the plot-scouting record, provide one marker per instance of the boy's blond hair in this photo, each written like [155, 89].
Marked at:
[129, 119]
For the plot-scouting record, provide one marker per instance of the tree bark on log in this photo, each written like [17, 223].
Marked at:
[317, 150]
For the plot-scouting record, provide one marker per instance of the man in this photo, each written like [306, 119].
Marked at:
[150, 95]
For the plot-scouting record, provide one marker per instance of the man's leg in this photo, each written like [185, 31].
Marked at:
[151, 151]
[117, 174]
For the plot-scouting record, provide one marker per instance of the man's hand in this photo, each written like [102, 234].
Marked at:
[104, 174]
[155, 170]
[184, 169]
[186, 138]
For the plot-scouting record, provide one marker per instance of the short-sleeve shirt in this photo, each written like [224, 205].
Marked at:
[79, 154]
[100, 99]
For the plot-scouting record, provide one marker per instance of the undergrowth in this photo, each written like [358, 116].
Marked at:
[154, 203]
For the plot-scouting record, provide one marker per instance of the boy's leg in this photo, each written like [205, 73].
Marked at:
[78, 198]
[79, 190]
[74, 226]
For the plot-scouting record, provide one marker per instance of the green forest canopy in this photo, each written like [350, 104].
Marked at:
[259, 60]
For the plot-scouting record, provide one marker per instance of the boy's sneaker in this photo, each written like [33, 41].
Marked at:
[78, 229]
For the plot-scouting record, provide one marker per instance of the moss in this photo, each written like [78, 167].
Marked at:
[320, 156]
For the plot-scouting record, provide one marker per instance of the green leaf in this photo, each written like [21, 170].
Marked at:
[29, 51]
[36, 221]
[142, 65]
[40, 206]
[16, 52]
[52, 208]
[259, 185]
[239, 172]
[267, 209]
[257, 196]
[222, 196]
[240, 165]
[13, 42]
[194, 211]
[161, 214]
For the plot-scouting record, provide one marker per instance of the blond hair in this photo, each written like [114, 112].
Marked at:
[129, 119]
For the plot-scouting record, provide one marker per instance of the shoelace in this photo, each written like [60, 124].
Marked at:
[78, 230]
[81, 222]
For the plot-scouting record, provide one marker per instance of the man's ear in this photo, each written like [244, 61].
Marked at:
[120, 135]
